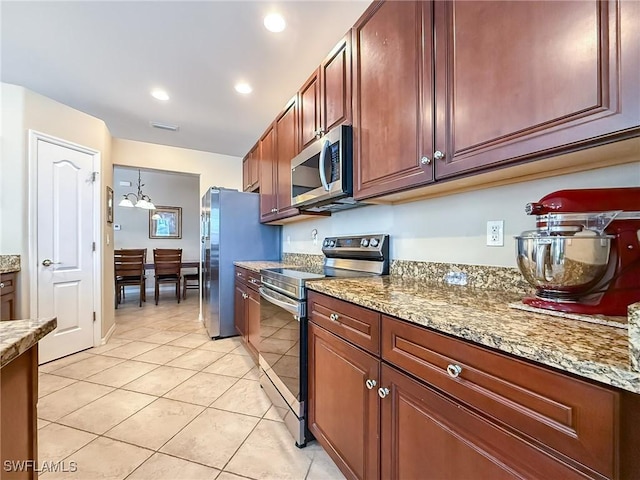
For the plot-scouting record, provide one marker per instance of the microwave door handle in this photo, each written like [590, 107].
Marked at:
[323, 155]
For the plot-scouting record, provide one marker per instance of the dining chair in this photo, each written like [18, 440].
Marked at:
[167, 263]
[129, 271]
[190, 280]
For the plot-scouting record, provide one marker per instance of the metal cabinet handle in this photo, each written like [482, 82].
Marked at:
[334, 317]
[1, 285]
[425, 160]
[238, 274]
[370, 384]
[454, 370]
[254, 281]
[438, 155]
[245, 296]
[46, 262]
[383, 392]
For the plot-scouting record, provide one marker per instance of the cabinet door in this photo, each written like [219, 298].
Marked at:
[254, 169]
[516, 80]
[343, 413]
[268, 170]
[239, 309]
[246, 174]
[335, 81]
[309, 104]
[253, 322]
[392, 98]
[429, 436]
[286, 148]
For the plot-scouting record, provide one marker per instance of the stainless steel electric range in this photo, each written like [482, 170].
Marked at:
[283, 320]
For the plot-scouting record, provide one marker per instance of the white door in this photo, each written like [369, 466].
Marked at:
[65, 247]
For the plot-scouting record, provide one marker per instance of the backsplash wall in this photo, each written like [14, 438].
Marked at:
[452, 228]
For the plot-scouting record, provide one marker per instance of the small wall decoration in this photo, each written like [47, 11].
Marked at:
[165, 222]
[109, 204]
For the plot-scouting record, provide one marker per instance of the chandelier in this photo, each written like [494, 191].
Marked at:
[141, 200]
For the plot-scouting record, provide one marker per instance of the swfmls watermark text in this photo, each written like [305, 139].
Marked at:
[39, 467]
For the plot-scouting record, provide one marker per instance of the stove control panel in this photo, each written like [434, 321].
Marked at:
[357, 245]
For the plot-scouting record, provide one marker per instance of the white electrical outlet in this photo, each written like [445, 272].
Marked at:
[495, 233]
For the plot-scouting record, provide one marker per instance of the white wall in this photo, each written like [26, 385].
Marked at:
[23, 110]
[165, 189]
[453, 228]
[214, 169]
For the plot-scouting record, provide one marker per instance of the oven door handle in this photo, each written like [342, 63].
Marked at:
[323, 158]
[292, 308]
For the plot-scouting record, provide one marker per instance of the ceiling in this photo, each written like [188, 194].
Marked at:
[104, 58]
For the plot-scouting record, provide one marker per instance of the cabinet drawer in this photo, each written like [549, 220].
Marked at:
[552, 410]
[356, 324]
[8, 281]
[253, 279]
[242, 274]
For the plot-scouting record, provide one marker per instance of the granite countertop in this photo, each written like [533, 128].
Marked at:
[18, 336]
[258, 265]
[598, 352]
[9, 263]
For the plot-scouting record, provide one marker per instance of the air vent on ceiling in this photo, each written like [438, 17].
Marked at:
[164, 126]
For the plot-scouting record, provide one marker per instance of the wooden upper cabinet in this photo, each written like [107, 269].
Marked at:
[392, 98]
[268, 170]
[516, 80]
[286, 148]
[309, 104]
[335, 86]
[250, 170]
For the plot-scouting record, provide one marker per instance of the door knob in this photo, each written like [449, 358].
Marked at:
[46, 262]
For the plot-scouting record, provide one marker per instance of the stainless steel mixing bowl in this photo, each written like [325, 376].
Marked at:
[564, 264]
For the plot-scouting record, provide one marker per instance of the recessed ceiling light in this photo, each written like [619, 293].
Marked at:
[274, 22]
[243, 88]
[160, 94]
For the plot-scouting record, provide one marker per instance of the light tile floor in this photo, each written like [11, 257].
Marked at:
[162, 401]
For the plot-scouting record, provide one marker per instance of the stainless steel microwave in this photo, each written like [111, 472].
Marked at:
[323, 171]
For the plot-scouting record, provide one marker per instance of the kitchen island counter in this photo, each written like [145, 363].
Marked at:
[597, 352]
[18, 336]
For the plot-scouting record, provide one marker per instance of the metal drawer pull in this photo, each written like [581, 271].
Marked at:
[370, 384]
[1, 285]
[238, 274]
[245, 296]
[454, 370]
[254, 281]
[438, 155]
[383, 392]
[425, 160]
[334, 317]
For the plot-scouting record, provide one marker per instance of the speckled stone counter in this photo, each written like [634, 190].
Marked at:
[597, 352]
[18, 336]
[634, 335]
[9, 263]
[256, 266]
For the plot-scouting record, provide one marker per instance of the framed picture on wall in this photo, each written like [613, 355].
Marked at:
[165, 222]
[109, 204]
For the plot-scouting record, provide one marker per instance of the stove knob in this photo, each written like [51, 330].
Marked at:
[364, 242]
[325, 243]
[332, 243]
[374, 242]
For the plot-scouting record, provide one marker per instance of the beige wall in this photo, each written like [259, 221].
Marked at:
[214, 169]
[453, 228]
[27, 110]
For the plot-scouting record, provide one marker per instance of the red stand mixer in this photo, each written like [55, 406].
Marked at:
[584, 256]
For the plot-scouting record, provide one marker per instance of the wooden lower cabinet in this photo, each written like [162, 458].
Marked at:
[239, 309]
[8, 296]
[18, 419]
[343, 413]
[426, 435]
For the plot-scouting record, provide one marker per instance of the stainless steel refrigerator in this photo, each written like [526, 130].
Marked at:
[231, 231]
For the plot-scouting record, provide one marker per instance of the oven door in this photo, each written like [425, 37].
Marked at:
[282, 356]
[322, 171]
